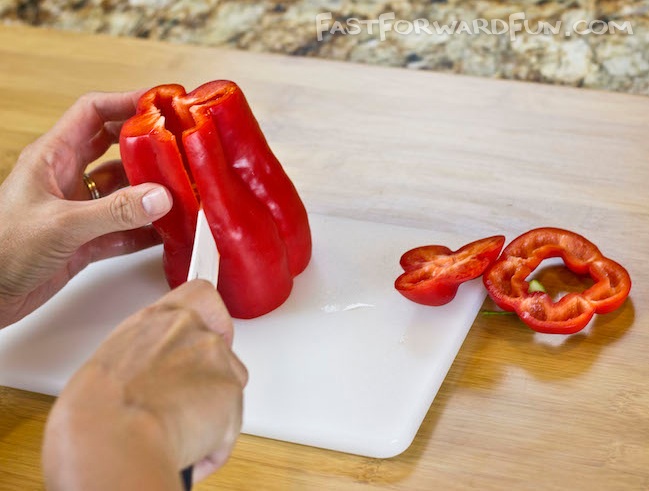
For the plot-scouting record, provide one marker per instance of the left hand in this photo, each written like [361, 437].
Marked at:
[50, 229]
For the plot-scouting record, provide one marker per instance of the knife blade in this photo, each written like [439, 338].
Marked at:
[204, 265]
[205, 259]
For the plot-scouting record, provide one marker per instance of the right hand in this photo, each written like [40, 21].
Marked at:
[164, 390]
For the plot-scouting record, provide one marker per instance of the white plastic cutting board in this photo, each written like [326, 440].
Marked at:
[346, 363]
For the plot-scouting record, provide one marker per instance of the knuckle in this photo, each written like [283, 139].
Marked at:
[49, 150]
[178, 315]
[186, 317]
[29, 149]
[87, 99]
[232, 385]
[242, 374]
[168, 321]
[214, 341]
[87, 103]
[122, 210]
[57, 152]
[226, 328]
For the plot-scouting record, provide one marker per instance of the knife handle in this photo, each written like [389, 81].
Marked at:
[186, 475]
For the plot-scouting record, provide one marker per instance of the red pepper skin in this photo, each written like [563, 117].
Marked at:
[434, 273]
[207, 148]
[506, 281]
[248, 152]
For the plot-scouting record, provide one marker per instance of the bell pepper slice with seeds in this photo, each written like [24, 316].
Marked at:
[207, 148]
[506, 281]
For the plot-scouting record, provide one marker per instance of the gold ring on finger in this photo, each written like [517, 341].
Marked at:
[92, 186]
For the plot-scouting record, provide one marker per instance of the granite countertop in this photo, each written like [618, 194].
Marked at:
[481, 41]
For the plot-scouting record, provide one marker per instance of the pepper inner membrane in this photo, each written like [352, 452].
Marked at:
[558, 279]
[177, 119]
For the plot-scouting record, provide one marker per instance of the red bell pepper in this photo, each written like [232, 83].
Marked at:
[434, 273]
[506, 281]
[207, 148]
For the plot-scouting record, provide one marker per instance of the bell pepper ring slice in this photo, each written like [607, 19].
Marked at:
[434, 273]
[207, 148]
[506, 281]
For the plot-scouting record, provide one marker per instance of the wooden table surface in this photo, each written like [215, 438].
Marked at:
[455, 155]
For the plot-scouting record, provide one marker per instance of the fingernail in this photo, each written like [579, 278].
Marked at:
[156, 202]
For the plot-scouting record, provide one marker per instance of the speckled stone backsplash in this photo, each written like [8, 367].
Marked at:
[481, 36]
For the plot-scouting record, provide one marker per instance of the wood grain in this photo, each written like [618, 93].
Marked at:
[517, 410]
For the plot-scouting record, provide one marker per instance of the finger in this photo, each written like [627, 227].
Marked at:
[239, 369]
[103, 247]
[210, 464]
[83, 125]
[226, 419]
[120, 243]
[94, 109]
[107, 136]
[125, 209]
[108, 178]
[202, 297]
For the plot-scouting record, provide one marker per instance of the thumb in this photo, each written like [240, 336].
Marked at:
[126, 209]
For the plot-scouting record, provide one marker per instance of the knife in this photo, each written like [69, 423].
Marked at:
[204, 265]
